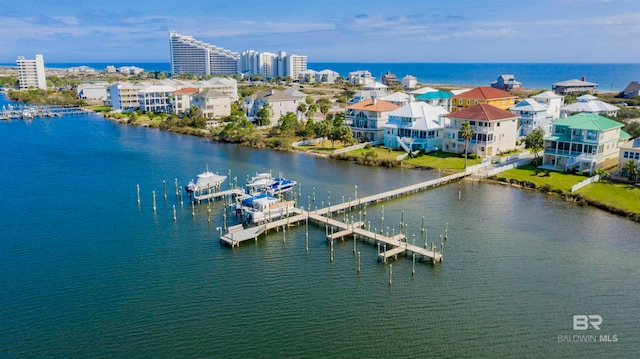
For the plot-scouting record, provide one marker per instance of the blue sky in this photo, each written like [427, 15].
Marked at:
[577, 31]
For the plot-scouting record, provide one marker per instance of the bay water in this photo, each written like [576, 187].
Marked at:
[87, 272]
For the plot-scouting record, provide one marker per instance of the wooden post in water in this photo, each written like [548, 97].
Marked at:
[382, 218]
[402, 223]
[413, 266]
[138, 189]
[224, 221]
[174, 213]
[354, 244]
[193, 208]
[459, 190]
[176, 188]
[332, 250]
[284, 235]
[208, 214]
[446, 231]
[433, 250]
[384, 256]
[154, 200]
[358, 262]
[306, 233]
[329, 205]
[181, 201]
[390, 273]
[314, 196]
[164, 187]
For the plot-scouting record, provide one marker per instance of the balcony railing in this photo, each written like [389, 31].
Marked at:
[551, 151]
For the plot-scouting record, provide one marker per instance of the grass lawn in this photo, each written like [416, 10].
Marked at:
[442, 160]
[380, 153]
[319, 148]
[556, 180]
[617, 195]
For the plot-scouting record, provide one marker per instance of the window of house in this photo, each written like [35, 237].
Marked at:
[592, 135]
[637, 155]
[472, 123]
[468, 102]
[626, 154]
[498, 124]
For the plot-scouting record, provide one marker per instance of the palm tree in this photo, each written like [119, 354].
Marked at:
[467, 133]
[631, 169]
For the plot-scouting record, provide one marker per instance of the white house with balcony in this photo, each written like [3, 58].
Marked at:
[155, 98]
[409, 82]
[280, 103]
[123, 96]
[553, 102]
[591, 104]
[367, 118]
[495, 130]
[531, 115]
[584, 142]
[212, 103]
[415, 126]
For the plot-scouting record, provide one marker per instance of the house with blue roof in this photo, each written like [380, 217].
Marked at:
[584, 142]
[436, 98]
[531, 114]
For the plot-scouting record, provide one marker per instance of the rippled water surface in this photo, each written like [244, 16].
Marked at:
[86, 272]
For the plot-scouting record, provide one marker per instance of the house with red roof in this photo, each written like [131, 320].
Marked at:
[181, 99]
[483, 95]
[495, 130]
[367, 118]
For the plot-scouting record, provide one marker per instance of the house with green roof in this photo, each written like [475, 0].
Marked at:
[584, 142]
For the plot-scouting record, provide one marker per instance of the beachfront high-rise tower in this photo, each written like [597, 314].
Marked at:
[31, 73]
[196, 57]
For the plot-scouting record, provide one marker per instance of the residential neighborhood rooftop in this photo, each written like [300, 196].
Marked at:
[484, 93]
[482, 112]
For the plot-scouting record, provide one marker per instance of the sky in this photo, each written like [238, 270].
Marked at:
[472, 31]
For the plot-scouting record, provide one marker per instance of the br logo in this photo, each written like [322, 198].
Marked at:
[582, 322]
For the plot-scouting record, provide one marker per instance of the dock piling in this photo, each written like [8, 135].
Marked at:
[164, 188]
[154, 201]
[138, 189]
[390, 274]
[358, 262]
[174, 213]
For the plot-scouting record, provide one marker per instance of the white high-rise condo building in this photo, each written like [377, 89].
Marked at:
[31, 73]
[196, 57]
[295, 65]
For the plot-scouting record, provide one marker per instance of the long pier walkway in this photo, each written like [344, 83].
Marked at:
[394, 245]
[26, 111]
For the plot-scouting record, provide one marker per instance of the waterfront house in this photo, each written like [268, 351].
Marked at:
[483, 95]
[123, 96]
[436, 98]
[591, 104]
[553, 102]
[507, 83]
[584, 142]
[155, 98]
[397, 98]
[573, 86]
[280, 103]
[531, 115]
[181, 99]
[367, 118]
[632, 90]
[409, 82]
[95, 91]
[361, 77]
[629, 151]
[495, 130]
[415, 126]
[212, 103]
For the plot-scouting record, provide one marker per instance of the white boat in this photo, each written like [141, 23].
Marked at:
[205, 182]
[259, 182]
[263, 207]
[280, 185]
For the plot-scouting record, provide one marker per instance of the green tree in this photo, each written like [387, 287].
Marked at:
[467, 133]
[194, 111]
[263, 117]
[288, 122]
[322, 130]
[302, 107]
[535, 141]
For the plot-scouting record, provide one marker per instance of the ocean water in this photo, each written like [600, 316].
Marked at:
[609, 77]
[89, 273]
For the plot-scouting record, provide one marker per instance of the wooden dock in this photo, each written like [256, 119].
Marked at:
[26, 111]
[215, 195]
[395, 245]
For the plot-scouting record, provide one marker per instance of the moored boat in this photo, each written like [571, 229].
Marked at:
[205, 182]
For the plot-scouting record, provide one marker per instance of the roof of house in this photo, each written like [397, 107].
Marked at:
[293, 92]
[409, 77]
[631, 145]
[423, 90]
[210, 93]
[507, 79]
[529, 104]
[588, 104]
[546, 95]
[376, 86]
[574, 82]
[588, 121]
[373, 105]
[273, 96]
[157, 88]
[425, 116]
[396, 97]
[484, 93]
[186, 91]
[435, 95]
[482, 112]
[633, 86]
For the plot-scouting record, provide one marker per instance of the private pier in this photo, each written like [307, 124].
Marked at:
[393, 245]
[26, 111]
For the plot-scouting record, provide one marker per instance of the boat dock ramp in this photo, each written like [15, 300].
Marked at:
[393, 245]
